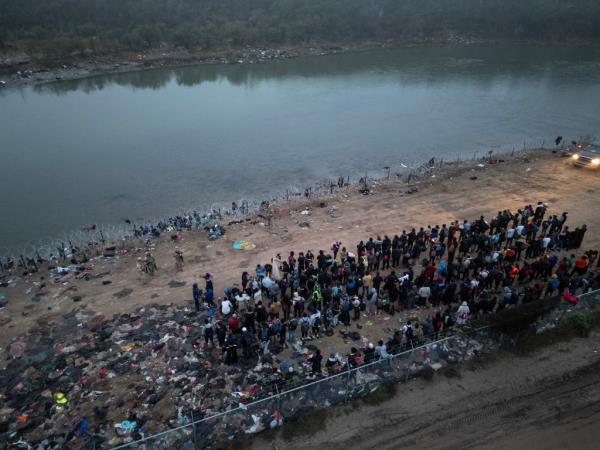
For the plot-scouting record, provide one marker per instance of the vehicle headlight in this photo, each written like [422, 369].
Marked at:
[596, 161]
[575, 156]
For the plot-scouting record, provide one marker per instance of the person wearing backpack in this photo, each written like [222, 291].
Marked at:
[316, 324]
[304, 326]
[275, 329]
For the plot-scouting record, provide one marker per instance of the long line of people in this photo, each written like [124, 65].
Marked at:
[449, 272]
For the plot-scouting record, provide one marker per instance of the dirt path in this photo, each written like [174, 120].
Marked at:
[456, 193]
[550, 400]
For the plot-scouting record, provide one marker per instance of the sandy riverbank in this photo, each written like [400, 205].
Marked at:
[457, 192]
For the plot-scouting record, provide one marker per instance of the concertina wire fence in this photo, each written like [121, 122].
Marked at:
[350, 384]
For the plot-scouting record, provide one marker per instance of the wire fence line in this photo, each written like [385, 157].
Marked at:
[271, 411]
[110, 234]
[347, 385]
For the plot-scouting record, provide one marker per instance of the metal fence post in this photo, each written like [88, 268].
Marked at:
[278, 400]
[347, 384]
[194, 436]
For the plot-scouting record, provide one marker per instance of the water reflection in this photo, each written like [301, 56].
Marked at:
[435, 64]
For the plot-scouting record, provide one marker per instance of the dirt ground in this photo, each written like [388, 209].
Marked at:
[451, 194]
[547, 400]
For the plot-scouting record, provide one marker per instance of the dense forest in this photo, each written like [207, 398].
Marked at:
[61, 27]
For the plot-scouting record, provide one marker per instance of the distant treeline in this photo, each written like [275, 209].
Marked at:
[59, 27]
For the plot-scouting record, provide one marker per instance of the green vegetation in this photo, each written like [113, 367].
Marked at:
[382, 393]
[58, 28]
[574, 325]
[580, 324]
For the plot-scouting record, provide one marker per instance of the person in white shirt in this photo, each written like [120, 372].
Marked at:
[242, 302]
[519, 230]
[510, 234]
[424, 294]
[546, 243]
[257, 296]
[225, 307]
[462, 315]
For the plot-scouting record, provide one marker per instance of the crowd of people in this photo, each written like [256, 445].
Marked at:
[68, 252]
[449, 272]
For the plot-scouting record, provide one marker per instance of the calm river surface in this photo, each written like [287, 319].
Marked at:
[150, 144]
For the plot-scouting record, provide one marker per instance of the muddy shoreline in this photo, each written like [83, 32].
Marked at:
[251, 210]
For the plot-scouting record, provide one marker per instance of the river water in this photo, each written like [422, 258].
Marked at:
[149, 144]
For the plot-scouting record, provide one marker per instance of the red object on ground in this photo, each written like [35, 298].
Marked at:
[569, 297]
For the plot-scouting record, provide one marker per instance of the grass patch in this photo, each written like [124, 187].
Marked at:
[382, 393]
[576, 325]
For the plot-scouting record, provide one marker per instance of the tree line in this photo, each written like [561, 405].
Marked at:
[59, 27]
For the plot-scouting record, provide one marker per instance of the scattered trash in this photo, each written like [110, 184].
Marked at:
[243, 245]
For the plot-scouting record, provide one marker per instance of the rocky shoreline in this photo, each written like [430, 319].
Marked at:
[22, 70]
[18, 69]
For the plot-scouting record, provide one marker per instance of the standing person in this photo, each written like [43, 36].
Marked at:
[372, 302]
[208, 279]
[245, 280]
[366, 282]
[263, 334]
[226, 307]
[209, 298]
[231, 350]
[408, 333]
[345, 313]
[247, 341]
[424, 294]
[221, 331]
[208, 333]
[282, 334]
[292, 325]
[335, 248]
[304, 326]
[178, 255]
[356, 306]
[197, 293]
[316, 360]
[298, 303]
[462, 315]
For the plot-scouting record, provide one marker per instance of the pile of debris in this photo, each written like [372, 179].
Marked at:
[84, 377]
